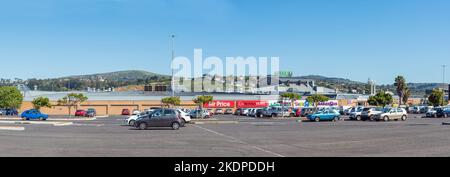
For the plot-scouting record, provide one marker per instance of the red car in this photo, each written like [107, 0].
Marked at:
[126, 112]
[80, 113]
[297, 112]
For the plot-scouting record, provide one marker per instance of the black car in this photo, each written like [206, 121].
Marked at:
[160, 118]
[260, 113]
[11, 112]
[440, 112]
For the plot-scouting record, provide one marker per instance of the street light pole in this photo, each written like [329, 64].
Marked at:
[171, 65]
[443, 84]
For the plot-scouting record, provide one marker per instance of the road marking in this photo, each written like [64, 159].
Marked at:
[37, 123]
[12, 128]
[239, 141]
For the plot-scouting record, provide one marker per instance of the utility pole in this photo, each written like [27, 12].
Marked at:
[171, 64]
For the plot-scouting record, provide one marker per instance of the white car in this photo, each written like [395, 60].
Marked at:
[355, 113]
[185, 116]
[392, 114]
[132, 119]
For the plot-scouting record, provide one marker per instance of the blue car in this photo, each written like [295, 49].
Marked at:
[326, 115]
[33, 114]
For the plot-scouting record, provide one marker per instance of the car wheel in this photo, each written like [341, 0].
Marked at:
[371, 118]
[317, 119]
[445, 115]
[131, 123]
[142, 126]
[274, 115]
[386, 118]
[404, 118]
[336, 119]
[358, 118]
[176, 126]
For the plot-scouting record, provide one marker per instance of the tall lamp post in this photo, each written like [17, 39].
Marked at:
[443, 84]
[172, 36]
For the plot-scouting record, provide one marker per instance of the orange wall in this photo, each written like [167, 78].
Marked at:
[102, 107]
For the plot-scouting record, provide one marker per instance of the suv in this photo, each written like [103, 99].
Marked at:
[160, 118]
[392, 114]
[368, 113]
[355, 113]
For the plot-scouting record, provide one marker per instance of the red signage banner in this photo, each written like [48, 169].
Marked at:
[220, 104]
[252, 104]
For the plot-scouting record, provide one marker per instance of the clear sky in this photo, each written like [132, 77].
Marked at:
[354, 39]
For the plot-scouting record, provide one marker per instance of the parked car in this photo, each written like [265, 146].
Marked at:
[442, 112]
[425, 109]
[355, 113]
[260, 112]
[306, 111]
[160, 118]
[326, 115]
[33, 114]
[11, 112]
[91, 112]
[244, 112]
[297, 112]
[431, 112]
[2, 112]
[368, 113]
[392, 114]
[277, 112]
[185, 117]
[229, 111]
[126, 112]
[80, 113]
[132, 119]
[251, 113]
[136, 112]
[219, 111]
[199, 114]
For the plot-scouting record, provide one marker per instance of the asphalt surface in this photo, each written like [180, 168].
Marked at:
[246, 137]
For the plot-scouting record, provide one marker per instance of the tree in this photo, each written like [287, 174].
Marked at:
[436, 97]
[201, 100]
[402, 88]
[10, 97]
[171, 101]
[289, 96]
[72, 100]
[406, 96]
[316, 99]
[381, 99]
[41, 102]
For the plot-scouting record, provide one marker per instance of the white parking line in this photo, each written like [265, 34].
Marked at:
[239, 141]
[12, 128]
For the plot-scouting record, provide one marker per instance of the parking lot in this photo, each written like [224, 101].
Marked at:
[227, 136]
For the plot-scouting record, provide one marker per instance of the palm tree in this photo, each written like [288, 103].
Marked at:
[402, 87]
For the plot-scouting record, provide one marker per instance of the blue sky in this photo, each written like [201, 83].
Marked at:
[354, 39]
